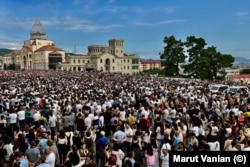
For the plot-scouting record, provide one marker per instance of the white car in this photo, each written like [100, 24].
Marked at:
[218, 88]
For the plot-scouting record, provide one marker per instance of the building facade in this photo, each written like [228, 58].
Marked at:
[37, 53]
[106, 58]
[150, 64]
[40, 53]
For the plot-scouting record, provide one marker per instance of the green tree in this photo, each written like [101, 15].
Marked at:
[212, 63]
[12, 67]
[245, 71]
[172, 56]
[5, 66]
[204, 63]
[194, 47]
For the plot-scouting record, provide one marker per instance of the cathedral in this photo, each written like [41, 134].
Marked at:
[40, 53]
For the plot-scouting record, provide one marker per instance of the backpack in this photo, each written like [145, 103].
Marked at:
[74, 158]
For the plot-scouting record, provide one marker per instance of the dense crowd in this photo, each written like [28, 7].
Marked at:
[97, 119]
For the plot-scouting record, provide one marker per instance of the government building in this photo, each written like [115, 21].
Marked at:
[39, 53]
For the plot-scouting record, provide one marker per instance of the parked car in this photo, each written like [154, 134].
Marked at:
[238, 89]
[218, 88]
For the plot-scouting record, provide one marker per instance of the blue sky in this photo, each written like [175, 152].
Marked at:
[143, 24]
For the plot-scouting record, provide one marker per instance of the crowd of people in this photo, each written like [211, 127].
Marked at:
[97, 119]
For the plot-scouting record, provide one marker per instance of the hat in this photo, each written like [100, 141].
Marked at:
[240, 112]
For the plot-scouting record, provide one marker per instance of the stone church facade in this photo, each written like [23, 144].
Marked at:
[39, 53]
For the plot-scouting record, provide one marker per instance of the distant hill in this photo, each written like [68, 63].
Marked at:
[4, 51]
[241, 62]
[241, 59]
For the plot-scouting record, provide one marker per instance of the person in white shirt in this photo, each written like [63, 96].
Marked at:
[165, 157]
[3, 122]
[213, 146]
[9, 148]
[88, 122]
[129, 136]
[193, 143]
[21, 118]
[101, 121]
[37, 117]
[233, 146]
[12, 119]
[52, 121]
[78, 106]
[247, 148]
[122, 114]
[50, 156]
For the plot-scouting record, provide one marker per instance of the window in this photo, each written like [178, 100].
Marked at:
[83, 61]
[135, 61]
[113, 68]
[79, 61]
[135, 67]
[113, 60]
[100, 60]
[74, 61]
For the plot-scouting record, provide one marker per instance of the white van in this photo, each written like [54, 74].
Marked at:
[237, 89]
[215, 89]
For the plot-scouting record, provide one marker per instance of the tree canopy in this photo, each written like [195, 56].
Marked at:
[194, 58]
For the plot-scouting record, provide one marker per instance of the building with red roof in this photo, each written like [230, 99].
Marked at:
[40, 53]
[37, 52]
[150, 64]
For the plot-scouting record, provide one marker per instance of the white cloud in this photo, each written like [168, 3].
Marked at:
[111, 1]
[113, 9]
[241, 14]
[9, 43]
[78, 24]
[161, 22]
[93, 27]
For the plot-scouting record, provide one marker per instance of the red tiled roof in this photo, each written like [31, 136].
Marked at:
[16, 52]
[241, 76]
[27, 48]
[13, 53]
[48, 48]
[150, 61]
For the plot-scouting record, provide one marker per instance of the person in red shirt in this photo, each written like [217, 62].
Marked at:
[143, 124]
